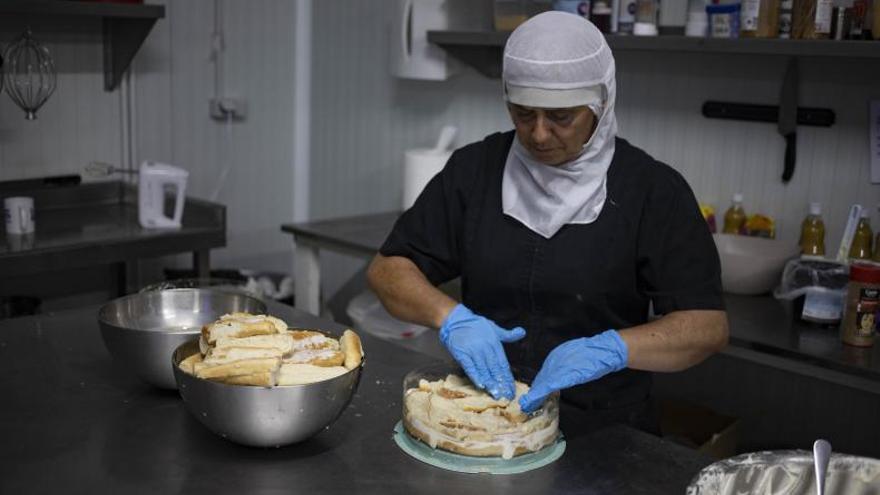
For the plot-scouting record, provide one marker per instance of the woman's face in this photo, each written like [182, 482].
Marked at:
[553, 135]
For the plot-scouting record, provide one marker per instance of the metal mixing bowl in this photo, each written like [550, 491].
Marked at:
[142, 330]
[263, 416]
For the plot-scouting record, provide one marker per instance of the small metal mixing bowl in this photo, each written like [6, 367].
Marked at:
[142, 330]
[263, 416]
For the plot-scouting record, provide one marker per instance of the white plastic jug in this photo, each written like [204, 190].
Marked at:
[154, 179]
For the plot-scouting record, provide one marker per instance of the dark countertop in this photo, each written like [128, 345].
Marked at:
[97, 223]
[364, 233]
[764, 324]
[73, 420]
[761, 328]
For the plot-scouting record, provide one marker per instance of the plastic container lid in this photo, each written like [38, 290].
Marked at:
[815, 208]
[644, 29]
[867, 273]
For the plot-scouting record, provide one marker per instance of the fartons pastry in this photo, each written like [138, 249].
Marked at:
[260, 350]
[451, 414]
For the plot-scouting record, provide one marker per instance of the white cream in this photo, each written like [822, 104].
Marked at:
[309, 355]
[755, 476]
[313, 342]
[507, 442]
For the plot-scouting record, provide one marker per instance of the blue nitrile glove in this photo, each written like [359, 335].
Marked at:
[575, 362]
[475, 342]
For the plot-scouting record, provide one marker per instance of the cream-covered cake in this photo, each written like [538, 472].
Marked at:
[452, 414]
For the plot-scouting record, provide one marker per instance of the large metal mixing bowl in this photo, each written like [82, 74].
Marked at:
[142, 330]
[786, 471]
[263, 416]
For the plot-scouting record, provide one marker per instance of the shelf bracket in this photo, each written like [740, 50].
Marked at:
[123, 38]
[485, 59]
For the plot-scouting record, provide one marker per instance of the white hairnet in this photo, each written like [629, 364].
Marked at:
[556, 60]
[559, 60]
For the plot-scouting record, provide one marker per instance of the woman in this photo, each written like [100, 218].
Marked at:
[563, 236]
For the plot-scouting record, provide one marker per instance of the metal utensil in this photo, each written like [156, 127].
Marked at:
[142, 330]
[849, 231]
[788, 108]
[263, 416]
[30, 74]
[821, 456]
[103, 169]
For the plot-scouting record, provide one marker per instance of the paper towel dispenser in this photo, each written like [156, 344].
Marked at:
[412, 56]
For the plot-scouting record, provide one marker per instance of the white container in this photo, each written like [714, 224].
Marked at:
[412, 55]
[697, 25]
[19, 213]
[154, 179]
[673, 15]
[751, 265]
[419, 167]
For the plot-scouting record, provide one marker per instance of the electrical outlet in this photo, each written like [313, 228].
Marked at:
[223, 108]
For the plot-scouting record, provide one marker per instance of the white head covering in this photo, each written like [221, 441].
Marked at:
[559, 60]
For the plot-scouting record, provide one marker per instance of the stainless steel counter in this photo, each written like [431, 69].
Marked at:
[762, 329]
[97, 224]
[73, 421]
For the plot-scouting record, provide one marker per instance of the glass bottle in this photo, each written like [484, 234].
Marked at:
[860, 249]
[812, 239]
[735, 217]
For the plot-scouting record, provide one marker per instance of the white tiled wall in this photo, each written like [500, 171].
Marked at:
[365, 118]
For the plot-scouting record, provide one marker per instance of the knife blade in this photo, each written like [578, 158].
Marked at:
[787, 125]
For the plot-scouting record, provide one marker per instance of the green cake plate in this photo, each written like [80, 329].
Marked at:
[468, 464]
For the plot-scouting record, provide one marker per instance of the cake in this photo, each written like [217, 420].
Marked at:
[452, 414]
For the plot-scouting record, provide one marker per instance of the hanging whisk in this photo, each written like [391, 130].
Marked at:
[30, 74]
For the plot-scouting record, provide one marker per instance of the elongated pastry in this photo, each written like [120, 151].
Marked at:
[235, 368]
[260, 350]
[351, 347]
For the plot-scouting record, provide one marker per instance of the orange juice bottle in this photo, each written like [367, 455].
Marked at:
[860, 249]
[813, 232]
[735, 217]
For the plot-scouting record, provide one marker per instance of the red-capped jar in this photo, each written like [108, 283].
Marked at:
[859, 323]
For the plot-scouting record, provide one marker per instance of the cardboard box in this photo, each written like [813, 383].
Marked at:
[698, 427]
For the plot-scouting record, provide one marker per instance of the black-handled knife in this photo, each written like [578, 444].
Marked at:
[787, 125]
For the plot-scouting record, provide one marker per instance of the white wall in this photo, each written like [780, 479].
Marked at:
[363, 119]
[367, 118]
[79, 123]
[174, 84]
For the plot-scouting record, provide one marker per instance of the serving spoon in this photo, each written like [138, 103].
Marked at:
[821, 456]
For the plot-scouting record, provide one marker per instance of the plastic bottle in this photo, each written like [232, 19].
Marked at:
[860, 249]
[876, 256]
[735, 217]
[626, 17]
[812, 239]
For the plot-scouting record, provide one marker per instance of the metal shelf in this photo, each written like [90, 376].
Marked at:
[124, 26]
[482, 49]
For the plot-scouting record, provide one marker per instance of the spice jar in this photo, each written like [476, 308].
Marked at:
[858, 325]
[759, 19]
[811, 19]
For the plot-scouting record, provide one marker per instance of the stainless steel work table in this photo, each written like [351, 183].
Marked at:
[97, 224]
[73, 421]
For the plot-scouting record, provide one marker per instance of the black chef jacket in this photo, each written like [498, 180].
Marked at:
[650, 244]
